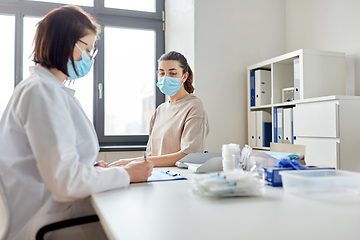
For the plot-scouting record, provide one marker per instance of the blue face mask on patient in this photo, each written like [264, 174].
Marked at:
[169, 85]
[82, 67]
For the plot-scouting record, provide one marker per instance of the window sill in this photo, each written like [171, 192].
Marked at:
[123, 148]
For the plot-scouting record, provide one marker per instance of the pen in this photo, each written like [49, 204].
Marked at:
[145, 157]
[172, 173]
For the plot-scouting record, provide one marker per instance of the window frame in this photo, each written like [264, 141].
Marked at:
[106, 17]
[125, 140]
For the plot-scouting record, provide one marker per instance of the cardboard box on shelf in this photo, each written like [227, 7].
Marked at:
[268, 158]
[289, 148]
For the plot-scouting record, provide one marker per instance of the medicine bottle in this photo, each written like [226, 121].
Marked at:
[230, 156]
[258, 169]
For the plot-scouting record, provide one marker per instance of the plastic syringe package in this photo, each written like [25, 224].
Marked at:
[227, 184]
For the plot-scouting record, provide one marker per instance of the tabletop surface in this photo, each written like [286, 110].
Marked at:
[170, 210]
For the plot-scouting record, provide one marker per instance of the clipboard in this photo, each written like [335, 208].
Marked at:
[161, 175]
[158, 176]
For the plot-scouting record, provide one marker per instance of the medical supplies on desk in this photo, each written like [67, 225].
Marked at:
[230, 156]
[268, 158]
[272, 175]
[277, 161]
[233, 158]
[227, 184]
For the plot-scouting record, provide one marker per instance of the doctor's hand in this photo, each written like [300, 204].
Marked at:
[139, 171]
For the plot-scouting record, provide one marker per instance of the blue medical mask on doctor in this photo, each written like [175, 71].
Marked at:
[82, 67]
[169, 85]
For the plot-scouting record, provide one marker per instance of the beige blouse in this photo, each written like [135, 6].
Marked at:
[178, 126]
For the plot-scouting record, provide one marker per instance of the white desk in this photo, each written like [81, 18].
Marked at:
[171, 211]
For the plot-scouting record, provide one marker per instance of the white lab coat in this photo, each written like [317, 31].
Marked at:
[47, 150]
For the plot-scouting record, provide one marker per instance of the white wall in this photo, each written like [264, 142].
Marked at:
[332, 25]
[229, 36]
[179, 33]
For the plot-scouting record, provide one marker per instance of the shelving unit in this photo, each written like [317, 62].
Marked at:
[320, 73]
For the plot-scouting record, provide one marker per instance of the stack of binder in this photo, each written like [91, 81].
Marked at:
[260, 129]
[283, 125]
[260, 85]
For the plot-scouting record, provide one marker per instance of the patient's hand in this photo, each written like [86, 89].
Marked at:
[101, 164]
[121, 162]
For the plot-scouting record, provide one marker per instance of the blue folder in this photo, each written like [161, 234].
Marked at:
[275, 125]
[266, 134]
[252, 88]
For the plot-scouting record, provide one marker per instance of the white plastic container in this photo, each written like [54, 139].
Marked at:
[321, 183]
[230, 156]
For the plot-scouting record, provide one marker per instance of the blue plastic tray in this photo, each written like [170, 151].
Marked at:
[273, 178]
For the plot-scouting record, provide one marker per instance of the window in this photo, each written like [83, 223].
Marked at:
[7, 63]
[28, 46]
[73, 2]
[134, 51]
[137, 5]
[119, 95]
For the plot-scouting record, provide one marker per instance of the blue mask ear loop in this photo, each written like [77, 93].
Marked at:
[78, 47]
[81, 50]
[183, 82]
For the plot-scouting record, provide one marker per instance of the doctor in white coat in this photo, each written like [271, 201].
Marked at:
[48, 147]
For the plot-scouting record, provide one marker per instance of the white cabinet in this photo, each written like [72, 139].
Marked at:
[315, 73]
[329, 127]
[320, 151]
[317, 119]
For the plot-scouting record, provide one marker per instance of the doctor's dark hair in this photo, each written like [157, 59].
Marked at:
[173, 55]
[57, 34]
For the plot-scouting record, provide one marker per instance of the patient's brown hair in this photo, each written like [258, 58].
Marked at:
[57, 34]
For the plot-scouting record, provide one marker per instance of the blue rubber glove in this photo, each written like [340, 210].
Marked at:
[298, 166]
[293, 164]
[283, 163]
